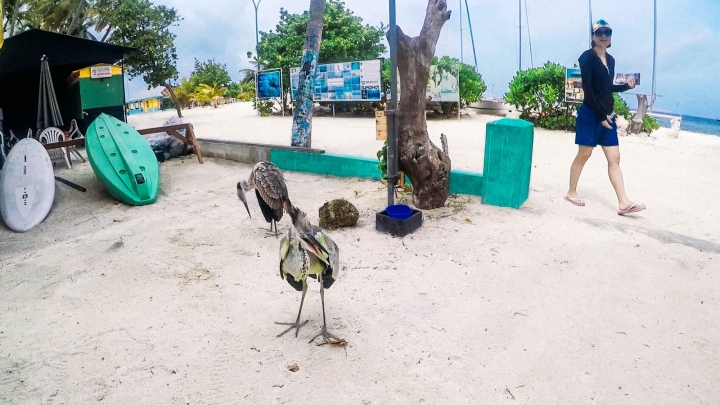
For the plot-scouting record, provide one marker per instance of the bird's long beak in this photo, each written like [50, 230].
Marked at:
[315, 247]
[241, 196]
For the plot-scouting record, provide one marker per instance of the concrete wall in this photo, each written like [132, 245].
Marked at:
[243, 152]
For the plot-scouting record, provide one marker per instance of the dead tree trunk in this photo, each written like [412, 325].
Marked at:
[168, 87]
[637, 121]
[424, 163]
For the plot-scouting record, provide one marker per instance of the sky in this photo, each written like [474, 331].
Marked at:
[688, 39]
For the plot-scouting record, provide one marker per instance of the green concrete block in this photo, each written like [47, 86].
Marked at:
[466, 183]
[326, 164]
[508, 162]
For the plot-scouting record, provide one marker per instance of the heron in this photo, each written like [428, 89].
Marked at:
[270, 189]
[306, 251]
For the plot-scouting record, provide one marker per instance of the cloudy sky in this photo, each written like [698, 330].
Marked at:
[688, 39]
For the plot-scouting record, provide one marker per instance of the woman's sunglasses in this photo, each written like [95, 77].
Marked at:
[603, 31]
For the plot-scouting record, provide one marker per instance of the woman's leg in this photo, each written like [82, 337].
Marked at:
[582, 156]
[612, 153]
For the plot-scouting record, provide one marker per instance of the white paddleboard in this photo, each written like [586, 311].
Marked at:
[27, 186]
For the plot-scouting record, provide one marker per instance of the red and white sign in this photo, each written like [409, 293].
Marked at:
[100, 72]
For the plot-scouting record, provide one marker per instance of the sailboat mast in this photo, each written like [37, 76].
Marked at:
[472, 38]
[652, 96]
[519, 35]
[461, 32]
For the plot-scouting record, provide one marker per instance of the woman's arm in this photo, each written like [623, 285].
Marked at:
[619, 88]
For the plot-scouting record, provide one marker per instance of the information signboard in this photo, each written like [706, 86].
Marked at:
[347, 81]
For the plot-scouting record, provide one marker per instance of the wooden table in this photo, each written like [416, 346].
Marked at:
[189, 139]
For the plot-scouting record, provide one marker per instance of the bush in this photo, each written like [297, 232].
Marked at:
[539, 93]
[621, 108]
[264, 107]
[649, 124]
[382, 160]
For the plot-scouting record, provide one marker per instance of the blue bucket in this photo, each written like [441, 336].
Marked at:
[399, 211]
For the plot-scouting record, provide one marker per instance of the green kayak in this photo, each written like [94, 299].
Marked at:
[122, 160]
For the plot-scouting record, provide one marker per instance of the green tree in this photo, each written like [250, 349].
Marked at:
[211, 73]
[142, 25]
[13, 16]
[345, 38]
[540, 94]
[100, 14]
[205, 94]
[184, 91]
[69, 17]
[233, 90]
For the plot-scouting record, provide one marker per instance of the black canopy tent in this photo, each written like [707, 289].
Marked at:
[20, 72]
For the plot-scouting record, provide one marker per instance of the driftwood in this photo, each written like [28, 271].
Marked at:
[637, 122]
[425, 164]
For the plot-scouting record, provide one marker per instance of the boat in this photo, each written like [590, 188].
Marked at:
[27, 186]
[122, 160]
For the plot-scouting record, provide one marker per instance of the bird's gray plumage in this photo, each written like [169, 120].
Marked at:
[270, 188]
[305, 252]
[269, 181]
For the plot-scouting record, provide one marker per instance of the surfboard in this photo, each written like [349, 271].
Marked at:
[27, 186]
[122, 160]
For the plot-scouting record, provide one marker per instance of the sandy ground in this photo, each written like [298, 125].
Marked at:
[174, 303]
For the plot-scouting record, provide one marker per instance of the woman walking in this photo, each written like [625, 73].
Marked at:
[595, 123]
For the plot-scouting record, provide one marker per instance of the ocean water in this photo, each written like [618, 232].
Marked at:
[695, 124]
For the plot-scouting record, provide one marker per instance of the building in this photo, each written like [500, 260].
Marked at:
[20, 75]
[152, 100]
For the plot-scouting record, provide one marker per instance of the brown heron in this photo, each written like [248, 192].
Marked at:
[270, 189]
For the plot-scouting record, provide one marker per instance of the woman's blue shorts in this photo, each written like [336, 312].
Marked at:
[590, 132]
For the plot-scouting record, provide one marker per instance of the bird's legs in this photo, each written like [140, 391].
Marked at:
[323, 332]
[271, 233]
[297, 323]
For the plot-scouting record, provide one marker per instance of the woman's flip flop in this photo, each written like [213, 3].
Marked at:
[632, 208]
[575, 201]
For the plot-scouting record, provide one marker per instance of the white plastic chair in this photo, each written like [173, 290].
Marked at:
[52, 135]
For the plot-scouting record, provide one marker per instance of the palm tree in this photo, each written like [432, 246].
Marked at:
[100, 15]
[206, 94]
[184, 91]
[14, 14]
[64, 16]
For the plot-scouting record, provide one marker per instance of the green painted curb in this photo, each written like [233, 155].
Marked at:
[326, 164]
[364, 168]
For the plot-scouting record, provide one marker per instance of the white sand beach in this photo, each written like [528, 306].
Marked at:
[174, 303]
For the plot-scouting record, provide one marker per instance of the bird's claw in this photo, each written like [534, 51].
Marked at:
[324, 333]
[295, 325]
